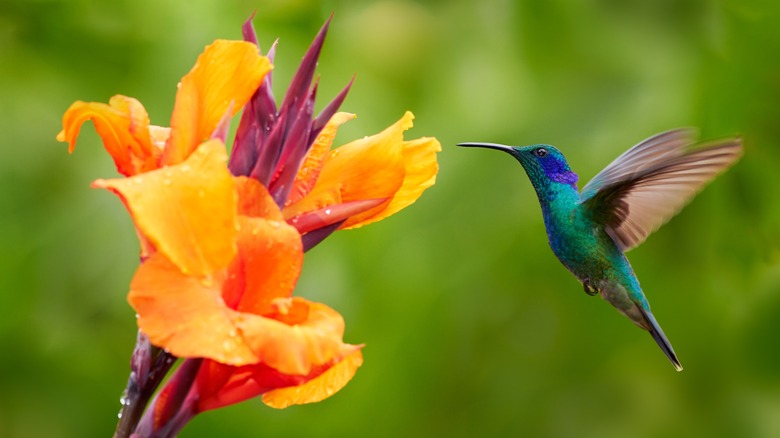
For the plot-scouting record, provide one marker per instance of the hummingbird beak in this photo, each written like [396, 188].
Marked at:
[500, 147]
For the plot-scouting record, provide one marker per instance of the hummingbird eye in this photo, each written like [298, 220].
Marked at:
[540, 152]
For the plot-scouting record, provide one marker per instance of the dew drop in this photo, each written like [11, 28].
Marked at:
[327, 211]
[119, 415]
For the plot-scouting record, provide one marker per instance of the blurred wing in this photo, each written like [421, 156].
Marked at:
[633, 202]
[647, 154]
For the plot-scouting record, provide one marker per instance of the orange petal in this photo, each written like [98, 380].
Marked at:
[319, 388]
[123, 125]
[185, 314]
[187, 211]
[369, 168]
[226, 72]
[270, 257]
[315, 158]
[254, 199]
[295, 347]
[421, 169]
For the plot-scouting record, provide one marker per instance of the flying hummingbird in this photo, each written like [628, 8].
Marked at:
[590, 230]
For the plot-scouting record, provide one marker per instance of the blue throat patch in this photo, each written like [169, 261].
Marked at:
[558, 171]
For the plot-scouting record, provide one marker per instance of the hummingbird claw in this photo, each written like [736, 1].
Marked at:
[590, 290]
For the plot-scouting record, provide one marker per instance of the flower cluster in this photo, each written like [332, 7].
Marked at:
[223, 238]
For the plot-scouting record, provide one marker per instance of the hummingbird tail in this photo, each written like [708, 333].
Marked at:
[660, 338]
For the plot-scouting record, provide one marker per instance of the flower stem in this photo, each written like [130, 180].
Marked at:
[177, 404]
[148, 367]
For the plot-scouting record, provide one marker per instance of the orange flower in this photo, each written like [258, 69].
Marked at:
[222, 243]
[220, 263]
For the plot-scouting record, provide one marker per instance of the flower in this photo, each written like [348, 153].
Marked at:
[222, 241]
[220, 263]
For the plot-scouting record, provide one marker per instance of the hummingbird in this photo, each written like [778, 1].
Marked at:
[590, 230]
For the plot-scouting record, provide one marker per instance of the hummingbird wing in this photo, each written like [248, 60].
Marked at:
[648, 184]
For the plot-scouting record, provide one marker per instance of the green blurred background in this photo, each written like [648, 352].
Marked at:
[471, 326]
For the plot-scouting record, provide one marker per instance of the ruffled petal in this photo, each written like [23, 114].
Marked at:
[315, 158]
[420, 167]
[369, 168]
[123, 125]
[187, 211]
[186, 314]
[226, 72]
[220, 317]
[319, 388]
[298, 337]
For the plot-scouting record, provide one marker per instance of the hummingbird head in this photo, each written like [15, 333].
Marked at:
[543, 163]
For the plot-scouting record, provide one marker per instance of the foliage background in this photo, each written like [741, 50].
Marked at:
[472, 327]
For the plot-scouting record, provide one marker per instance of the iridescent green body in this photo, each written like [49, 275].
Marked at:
[590, 230]
[579, 241]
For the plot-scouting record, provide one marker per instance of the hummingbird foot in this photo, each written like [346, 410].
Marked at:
[590, 290]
